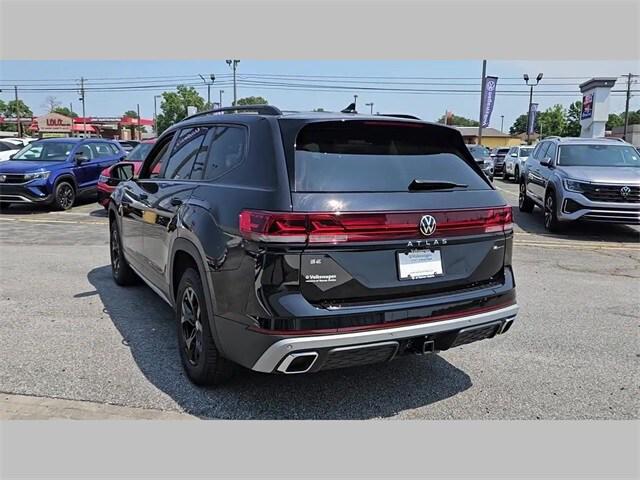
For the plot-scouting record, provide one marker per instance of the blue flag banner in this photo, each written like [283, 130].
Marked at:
[490, 84]
[532, 117]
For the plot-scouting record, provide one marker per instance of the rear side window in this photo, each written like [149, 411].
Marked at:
[184, 153]
[374, 156]
[226, 150]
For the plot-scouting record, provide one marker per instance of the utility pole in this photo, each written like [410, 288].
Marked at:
[355, 102]
[84, 118]
[484, 75]
[70, 108]
[139, 130]
[220, 104]
[501, 123]
[213, 79]
[626, 109]
[155, 114]
[18, 124]
[234, 64]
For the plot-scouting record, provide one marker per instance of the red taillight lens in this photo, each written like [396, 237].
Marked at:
[364, 227]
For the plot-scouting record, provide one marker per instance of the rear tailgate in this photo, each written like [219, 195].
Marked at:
[356, 271]
[351, 181]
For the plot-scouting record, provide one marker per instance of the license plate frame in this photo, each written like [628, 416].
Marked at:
[419, 264]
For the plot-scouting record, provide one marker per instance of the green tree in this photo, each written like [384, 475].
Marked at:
[65, 111]
[520, 125]
[10, 109]
[615, 121]
[572, 126]
[131, 114]
[459, 121]
[174, 105]
[634, 117]
[252, 101]
[552, 121]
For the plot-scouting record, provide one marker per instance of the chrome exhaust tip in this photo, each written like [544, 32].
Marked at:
[506, 325]
[298, 362]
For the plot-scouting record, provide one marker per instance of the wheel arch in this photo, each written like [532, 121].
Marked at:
[69, 177]
[185, 254]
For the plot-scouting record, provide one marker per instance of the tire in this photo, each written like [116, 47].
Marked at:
[505, 175]
[122, 273]
[64, 195]
[525, 204]
[200, 358]
[551, 222]
[516, 174]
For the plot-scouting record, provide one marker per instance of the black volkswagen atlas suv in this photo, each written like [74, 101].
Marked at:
[291, 242]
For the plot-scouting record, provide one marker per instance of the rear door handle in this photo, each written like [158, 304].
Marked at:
[176, 202]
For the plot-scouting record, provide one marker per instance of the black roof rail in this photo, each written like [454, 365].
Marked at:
[258, 109]
[399, 115]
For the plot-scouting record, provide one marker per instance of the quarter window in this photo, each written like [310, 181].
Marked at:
[185, 152]
[101, 150]
[226, 151]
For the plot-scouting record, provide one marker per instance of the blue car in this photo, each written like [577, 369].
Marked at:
[56, 171]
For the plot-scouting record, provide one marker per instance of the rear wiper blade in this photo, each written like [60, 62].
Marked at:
[418, 184]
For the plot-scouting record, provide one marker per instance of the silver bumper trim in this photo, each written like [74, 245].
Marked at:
[12, 198]
[270, 359]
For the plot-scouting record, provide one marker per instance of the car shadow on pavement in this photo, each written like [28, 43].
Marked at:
[147, 326]
[32, 209]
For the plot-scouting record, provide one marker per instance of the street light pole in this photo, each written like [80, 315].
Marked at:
[355, 102]
[501, 123]
[234, 64]
[221, 92]
[370, 105]
[484, 75]
[84, 117]
[526, 81]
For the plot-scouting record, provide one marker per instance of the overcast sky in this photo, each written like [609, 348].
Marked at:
[439, 75]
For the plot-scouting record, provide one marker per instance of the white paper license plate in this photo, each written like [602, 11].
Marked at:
[419, 264]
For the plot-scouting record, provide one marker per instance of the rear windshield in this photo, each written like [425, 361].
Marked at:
[478, 151]
[370, 156]
[598, 156]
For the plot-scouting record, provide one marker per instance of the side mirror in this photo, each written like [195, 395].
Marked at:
[81, 158]
[546, 162]
[492, 155]
[11, 156]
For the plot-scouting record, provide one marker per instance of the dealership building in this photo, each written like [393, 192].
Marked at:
[57, 125]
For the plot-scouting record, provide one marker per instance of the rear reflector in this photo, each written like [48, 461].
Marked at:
[365, 227]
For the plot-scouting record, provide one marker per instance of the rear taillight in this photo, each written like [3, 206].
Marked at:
[364, 227]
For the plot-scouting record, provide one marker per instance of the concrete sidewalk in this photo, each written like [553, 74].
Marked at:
[26, 407]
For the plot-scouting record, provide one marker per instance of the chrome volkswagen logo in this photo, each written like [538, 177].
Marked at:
[3, 178]
[625, 191]
[427, 225]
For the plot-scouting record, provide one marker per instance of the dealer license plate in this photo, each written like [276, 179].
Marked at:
[419, 264]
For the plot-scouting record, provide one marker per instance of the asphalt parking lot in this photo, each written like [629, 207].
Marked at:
[68, 332]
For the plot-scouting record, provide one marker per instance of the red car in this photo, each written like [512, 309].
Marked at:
[110, 177]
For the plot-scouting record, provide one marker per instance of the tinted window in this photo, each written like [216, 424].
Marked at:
[158, 158]
[140, 152]
[551, 152]
[540, 154]
[227, 148]
[376, 156]
[101, 150]
[478, 151]
[86, 151]
[184, 153]
[599, 156]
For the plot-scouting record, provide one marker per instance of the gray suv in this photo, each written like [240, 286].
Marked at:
[594, 179]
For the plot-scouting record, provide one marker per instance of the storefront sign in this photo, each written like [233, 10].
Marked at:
[54, 122]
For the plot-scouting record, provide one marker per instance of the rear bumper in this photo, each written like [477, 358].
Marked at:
[321, 352]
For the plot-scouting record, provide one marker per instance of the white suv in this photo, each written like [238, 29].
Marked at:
[514, 162]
